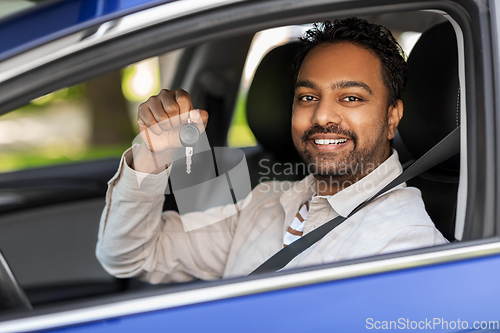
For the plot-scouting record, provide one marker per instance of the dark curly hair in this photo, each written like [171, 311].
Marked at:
[373, 37]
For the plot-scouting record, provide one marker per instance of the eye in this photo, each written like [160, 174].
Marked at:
[307, 98]
[351, 99]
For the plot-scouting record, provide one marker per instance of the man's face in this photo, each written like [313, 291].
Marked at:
[341, 121]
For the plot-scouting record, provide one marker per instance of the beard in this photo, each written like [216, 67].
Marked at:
[345, 166]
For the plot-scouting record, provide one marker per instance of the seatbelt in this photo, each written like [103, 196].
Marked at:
[443, 150]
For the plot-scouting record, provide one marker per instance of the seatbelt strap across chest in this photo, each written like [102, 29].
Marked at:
[443, 150]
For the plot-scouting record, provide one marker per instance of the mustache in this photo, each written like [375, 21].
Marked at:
[332, 129]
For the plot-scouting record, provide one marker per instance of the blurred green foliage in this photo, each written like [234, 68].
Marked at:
[72, 93]
[240, 134]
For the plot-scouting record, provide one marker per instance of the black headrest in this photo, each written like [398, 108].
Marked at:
[269, 102]
[432, 96]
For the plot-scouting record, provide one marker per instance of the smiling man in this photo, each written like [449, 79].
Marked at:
[347, 105]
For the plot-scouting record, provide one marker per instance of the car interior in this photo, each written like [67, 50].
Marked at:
[49, 215]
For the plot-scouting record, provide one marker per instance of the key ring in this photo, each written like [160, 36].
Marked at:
[189, 134]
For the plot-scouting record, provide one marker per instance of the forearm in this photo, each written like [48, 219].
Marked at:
[130, 222]
[137, 240]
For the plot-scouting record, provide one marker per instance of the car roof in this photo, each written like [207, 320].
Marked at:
[53, 19]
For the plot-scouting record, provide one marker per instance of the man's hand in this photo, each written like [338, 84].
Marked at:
[160, 119]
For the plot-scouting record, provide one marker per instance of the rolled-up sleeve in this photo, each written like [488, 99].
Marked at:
[137, 239]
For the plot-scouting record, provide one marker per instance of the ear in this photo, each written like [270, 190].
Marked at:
[395, 113]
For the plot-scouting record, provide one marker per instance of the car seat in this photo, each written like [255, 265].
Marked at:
[431, 111]
[269, 115]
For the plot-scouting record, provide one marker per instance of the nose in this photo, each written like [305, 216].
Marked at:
[326, 113]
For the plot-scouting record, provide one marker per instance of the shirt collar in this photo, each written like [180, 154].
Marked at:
[299, 193]
[348, 199]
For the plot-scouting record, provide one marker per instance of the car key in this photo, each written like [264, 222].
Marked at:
[189, 135]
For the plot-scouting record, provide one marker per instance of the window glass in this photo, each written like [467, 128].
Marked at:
[94, 119]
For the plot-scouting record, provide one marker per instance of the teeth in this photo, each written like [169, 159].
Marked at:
[329, 141]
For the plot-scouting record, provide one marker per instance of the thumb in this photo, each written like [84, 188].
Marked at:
[199, 118]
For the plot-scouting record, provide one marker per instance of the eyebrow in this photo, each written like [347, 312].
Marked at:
[306, 84]
[335, 86]
[352, 84]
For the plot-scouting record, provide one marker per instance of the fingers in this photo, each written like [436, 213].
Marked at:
[146, 119]
[184, 102]
[199, 118]
[204, 117]
[162, 107]
[175, 104]
[165, 111]
[170, 108]
[160, 118]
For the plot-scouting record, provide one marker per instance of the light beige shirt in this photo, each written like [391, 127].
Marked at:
[137, 239]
